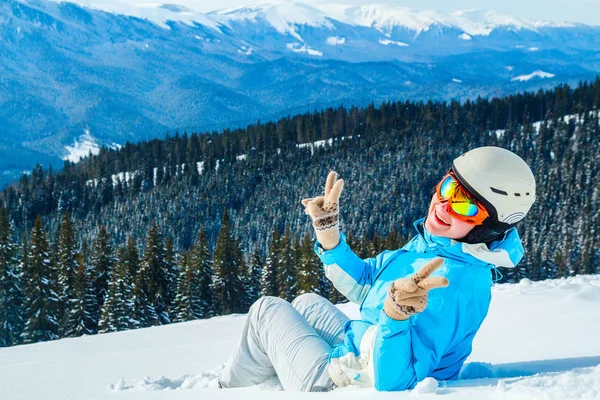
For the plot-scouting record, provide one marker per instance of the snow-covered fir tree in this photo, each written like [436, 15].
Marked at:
[184, 307]
[195, 297]
[117, 310]
[171, 272]
[151, 283]
[253, 285]
[228, 266]
[268, 280]
[132, 260]
[67, 265]
[310, 277]
[11, 292]
[201, 260]
[286, 268]
[101, 264]
[42, 301]
[83, 303]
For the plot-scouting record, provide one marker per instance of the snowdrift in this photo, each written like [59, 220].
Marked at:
[540, 341]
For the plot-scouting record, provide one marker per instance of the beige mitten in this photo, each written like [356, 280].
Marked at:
[324, 212]
[408, 296]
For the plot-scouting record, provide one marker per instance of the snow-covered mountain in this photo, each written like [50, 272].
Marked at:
[125, 71]
[539, 341]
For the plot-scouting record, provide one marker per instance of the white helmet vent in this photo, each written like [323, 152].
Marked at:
[514, 218]
[502, 192]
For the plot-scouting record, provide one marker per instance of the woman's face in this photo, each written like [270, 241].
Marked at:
[440, 223]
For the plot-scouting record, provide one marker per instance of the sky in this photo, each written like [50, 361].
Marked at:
[584, 11]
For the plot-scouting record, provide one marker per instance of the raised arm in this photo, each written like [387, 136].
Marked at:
[351, 275]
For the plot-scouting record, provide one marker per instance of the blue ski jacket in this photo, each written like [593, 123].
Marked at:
[394, 355]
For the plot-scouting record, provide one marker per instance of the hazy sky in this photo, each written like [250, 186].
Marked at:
[586, 11]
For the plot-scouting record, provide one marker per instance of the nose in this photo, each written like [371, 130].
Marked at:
[444, 206]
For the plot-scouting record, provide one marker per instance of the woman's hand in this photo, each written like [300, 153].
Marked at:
[408, 296]
[324, 212]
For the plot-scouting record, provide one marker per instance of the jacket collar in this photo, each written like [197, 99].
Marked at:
[506, 252]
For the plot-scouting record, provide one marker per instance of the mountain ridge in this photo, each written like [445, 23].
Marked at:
[68, 70]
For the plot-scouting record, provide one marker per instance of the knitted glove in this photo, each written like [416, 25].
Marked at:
[324, 212]
[408, 296]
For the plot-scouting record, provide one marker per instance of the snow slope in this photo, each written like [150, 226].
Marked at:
[282, 15]
[82, 147]
[540, 341]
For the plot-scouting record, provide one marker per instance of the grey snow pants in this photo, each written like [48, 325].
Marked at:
[291, 341]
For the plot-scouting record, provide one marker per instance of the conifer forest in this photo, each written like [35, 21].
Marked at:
[203, 224]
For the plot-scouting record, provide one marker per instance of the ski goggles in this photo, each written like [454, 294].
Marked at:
[462, 204]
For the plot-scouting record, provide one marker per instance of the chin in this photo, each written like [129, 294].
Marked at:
[443, 231]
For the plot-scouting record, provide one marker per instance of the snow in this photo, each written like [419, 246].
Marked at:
[539, 74]
[245, 50]
[479, 22]
[285, 16]
[379, 16]
[335, 40]
[281, 16]
[456, 80]
[386, 17]
[82, 147]
[299, 48]
[553, 24]
[318, 143]
[539, 341]
[156, 12]
[386, 42]
[533, 49]
[427, 385]
[465, 36]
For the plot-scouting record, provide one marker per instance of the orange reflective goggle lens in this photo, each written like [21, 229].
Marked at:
[462, 205]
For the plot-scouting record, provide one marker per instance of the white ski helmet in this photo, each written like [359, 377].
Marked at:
[502, 182]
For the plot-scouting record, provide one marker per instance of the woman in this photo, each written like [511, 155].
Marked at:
[405, 333]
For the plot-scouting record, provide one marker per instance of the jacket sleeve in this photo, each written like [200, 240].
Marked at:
[350, 274]
[404, 355]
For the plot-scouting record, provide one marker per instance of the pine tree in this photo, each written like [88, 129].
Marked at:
[118, 307]
[194, 296]
[151, 283]
[201, 260]
[42, 302]
[133, 259]
[171, 273]
[11, 292]
[83, 304]
[101, 262]
[269, 276]
[67, 265]
[286, 271]
[228, 265]
[310, 277]
[253, 286]
[183, 309]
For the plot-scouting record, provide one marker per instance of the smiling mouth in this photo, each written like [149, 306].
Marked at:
[440, 219]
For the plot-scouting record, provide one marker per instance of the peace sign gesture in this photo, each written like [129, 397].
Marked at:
[408, 296]
[324, 212]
